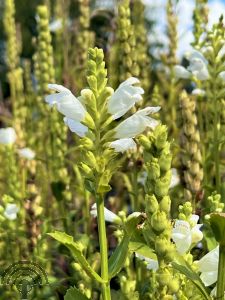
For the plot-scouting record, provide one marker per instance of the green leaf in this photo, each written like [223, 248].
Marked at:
[76, 251]
[118, 257]
[74, 293]
[183, 267]
[217, 222]
[142, 249]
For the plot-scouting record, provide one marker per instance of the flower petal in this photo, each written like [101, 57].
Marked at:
[123, 145]
[76, 127]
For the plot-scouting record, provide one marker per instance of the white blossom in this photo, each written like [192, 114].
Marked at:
[137, 123]
[76, 127]
[7, 136]
[124, 98]
[208, 266]
[175, 179]
[109, 215]
[181, 72]
[184, 235]
[26, 153]
[198, 92]
[55, 25]
[11, 211]
[152, 264]
[66, 103]
[123, 145]
[198, 65]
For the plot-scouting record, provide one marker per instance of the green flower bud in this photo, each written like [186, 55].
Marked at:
[165, 160]
[159, 221]
[144, 141]
[90, 159]
[86, 170]
[151, 204]
[162, 186]
[161, 246]
[163, 277]
[160, 136]
[86, 143]
[165, 204]
[154, 169]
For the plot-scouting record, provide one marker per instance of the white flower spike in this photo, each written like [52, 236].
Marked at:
[124, 97]
[109, 215]
[208, 266]
[137, 123]
[7, 136]
[184, 235]
[26, 153]
[123, 145]
[11, 211]
[66, 103]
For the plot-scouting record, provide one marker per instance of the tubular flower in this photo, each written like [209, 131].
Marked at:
[124, 97]
[137, 123]
[26, 153]
[7, 136]
[66, 103]
[123, 145]
[152, 264]
[197, 67]
[184, 235]
[208, 266]
[76, 127]
[11, 211]
[109, 215]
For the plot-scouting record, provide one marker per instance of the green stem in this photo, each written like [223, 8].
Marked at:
[103, 248]
[216, 148]
[221, 273]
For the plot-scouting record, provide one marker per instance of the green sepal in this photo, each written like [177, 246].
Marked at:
[74, 293]
[181, 265]
[142, 249]
[217, 222]
[76, 251]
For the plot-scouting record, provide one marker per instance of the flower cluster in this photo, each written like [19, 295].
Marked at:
[119, 103]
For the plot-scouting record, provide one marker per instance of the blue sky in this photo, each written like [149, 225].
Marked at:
[156, 10]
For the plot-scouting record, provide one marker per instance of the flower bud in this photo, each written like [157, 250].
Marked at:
[165, 204]
[160, 136]
[154, 169]
[144, 141]
[159, 221]
[151, 204]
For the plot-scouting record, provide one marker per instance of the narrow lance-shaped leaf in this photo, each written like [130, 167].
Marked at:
[76, 252]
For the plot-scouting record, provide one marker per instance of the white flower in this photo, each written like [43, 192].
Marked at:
[66, 103]
[208, 266]
[152, 264]
[175, 179]
[26, 153]
[124, 98]
[123, 145]
[109, 215]
[76, 127]
[7, 136]
[55, 25]
[137, 123]
[184, 235]
[181, 72]
[198, 65]
[11, 211]
[198, 92]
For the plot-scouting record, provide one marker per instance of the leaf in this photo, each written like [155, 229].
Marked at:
[76, 251]
[142, 249]
[73, 293]
[183, 267]
[117, 259]
[217, 222]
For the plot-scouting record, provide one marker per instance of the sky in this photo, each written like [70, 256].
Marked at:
[156, 10]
